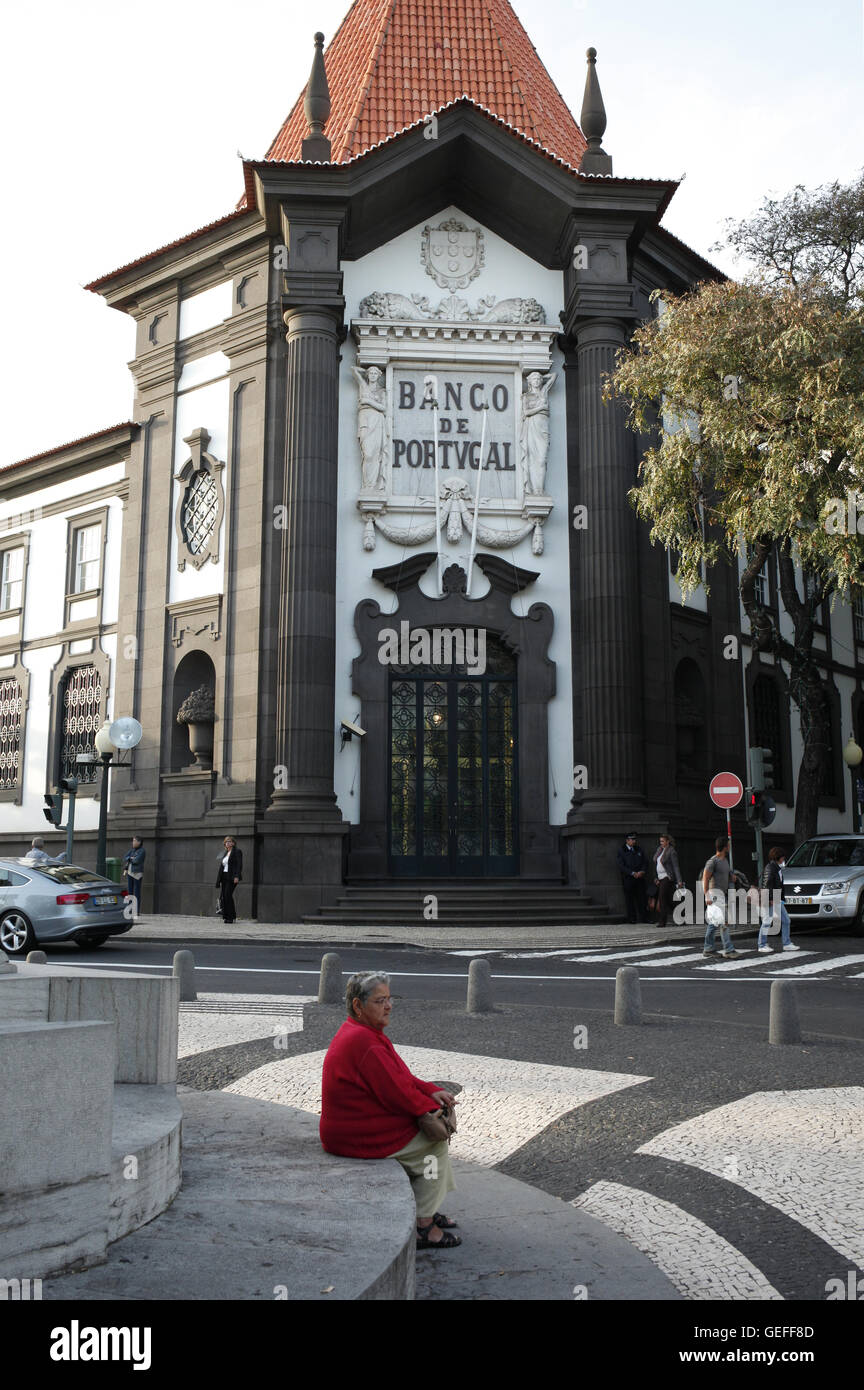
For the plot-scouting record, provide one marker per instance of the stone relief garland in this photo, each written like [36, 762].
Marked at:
[400, 308]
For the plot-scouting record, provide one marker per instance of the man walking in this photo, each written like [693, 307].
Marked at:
[715, 885]
[633, 865]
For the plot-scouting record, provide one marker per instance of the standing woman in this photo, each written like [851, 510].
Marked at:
[133, 863]
[229, 874]
[667, 875]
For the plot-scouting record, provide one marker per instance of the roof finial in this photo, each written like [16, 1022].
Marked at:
[316, 108]
[595, 160]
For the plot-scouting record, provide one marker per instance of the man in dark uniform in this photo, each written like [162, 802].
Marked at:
[633, 865]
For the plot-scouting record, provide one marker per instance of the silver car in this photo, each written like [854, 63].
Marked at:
[823, 882]
[42, 902]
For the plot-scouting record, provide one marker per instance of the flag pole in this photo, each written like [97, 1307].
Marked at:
[477, 501]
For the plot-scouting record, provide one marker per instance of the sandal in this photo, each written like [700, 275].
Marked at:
[443, 1222]
[446, 1242]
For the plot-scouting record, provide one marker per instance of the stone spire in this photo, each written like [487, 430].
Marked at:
[595, 160]
[316, 108]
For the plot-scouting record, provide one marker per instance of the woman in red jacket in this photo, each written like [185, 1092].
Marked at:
[371, 1103]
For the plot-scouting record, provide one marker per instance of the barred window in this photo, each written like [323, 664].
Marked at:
[81, 714]
[11, 708]
[86, 571]
[200, 510]
[12, 578]
[767, 724]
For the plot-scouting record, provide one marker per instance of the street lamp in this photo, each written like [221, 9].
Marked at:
[852, 755]
[106, 749]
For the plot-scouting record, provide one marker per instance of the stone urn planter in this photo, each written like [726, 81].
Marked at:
[198, 713]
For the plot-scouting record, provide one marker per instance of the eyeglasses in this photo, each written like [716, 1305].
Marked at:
[386, 999]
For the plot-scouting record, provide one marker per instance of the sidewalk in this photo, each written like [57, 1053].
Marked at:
[428, 935]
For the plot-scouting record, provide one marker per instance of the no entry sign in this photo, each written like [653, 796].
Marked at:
[725, 789]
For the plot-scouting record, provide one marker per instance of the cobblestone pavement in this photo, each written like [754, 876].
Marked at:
[729, 1163]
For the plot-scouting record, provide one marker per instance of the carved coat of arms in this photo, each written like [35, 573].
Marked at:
[453, 254]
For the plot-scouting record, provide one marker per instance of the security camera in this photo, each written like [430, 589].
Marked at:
[349, 730]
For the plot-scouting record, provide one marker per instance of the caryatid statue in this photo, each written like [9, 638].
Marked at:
[534, 442]
[372, 426]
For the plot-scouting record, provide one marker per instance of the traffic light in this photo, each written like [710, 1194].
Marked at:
[761, 808]
[761, 769]
[69, 784]
[53, 808]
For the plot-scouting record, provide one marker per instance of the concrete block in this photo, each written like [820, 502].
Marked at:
[56, 1095]
[144, 1008]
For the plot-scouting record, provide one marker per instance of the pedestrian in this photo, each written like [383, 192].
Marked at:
[633, 863]
[228, 875]
[133, 864]
[667, 877]
[36, 853]
[772, 879]
[715, 885]
[372, 1106]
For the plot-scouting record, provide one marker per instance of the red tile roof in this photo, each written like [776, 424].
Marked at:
[394, 61]
[71, 444]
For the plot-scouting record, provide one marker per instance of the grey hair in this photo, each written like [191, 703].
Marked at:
[37, 842]
[361, 985]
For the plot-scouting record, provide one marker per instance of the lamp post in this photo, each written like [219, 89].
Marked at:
[106, 749]
[852, 755]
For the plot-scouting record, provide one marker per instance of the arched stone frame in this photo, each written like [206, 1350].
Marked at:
[527, 637]
[18, 672]
[757, 668]
[194, 669]
[60, 671]
[199, 462]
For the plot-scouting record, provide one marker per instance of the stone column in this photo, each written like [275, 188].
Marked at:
[307, 619]
[607, 659]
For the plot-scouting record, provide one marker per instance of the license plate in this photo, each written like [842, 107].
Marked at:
[107, 900]
[801, 900]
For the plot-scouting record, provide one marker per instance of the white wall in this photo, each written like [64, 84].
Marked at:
[43, 618]
[397, 268]
[202, 403]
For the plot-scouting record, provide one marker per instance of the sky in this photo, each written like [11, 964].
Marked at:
[120, 127]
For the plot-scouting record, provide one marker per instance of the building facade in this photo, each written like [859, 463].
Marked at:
[374, 502]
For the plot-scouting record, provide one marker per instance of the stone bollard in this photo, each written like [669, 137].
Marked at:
[784, 1025]
[37, 958]
[479, 988]
[184, 971]
[6, 965]
[628, 995]
[330, 989]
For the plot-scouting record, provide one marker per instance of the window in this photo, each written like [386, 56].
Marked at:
[11, 708]
[12, 579]
[762, 587]
[858, 614]
[767, 724]
[80, 718]
[85, 570]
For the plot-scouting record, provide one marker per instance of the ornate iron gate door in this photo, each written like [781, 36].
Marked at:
[453, 783]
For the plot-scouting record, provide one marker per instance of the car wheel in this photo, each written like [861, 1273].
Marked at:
[16, 934]
[87, 943]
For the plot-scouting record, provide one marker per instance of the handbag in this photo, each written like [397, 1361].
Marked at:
[438, 1124]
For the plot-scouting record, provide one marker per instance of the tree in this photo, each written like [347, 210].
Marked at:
[761, 389]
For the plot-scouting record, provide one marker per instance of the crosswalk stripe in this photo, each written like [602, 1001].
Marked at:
[669, 960]
[835, 963]
[635, 955]
[755, 960]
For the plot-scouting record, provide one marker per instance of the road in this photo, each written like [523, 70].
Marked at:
[676, 980]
